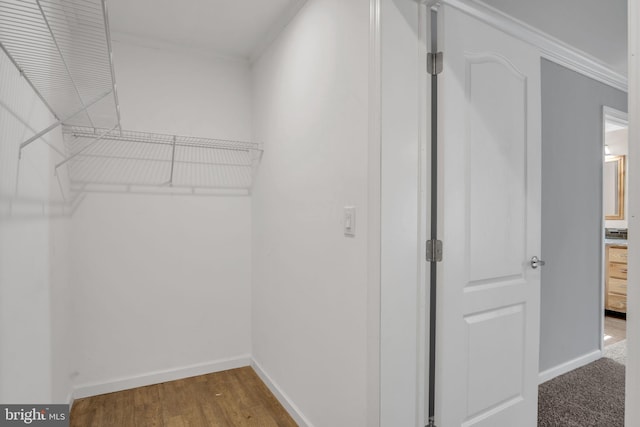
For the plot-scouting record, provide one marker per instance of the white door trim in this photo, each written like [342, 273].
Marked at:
[550, 47]
[632, 416]
[404, 183]
[374, 217]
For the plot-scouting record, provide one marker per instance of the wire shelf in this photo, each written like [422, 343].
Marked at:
[114, 157]
[63, 49]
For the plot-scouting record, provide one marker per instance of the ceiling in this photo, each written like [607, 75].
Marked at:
[617, 142]
[593, 26]
[227, 27]
[610, 126]
[242, 27]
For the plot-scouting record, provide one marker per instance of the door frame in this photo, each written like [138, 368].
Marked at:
[404, 127]
[632, 390]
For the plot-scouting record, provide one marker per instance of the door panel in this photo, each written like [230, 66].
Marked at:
[496, 97]
[484, 343]
[489, 210]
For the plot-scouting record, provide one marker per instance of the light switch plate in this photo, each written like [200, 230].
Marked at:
[350, 221]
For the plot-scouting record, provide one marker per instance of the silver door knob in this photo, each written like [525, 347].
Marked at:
[535, 262]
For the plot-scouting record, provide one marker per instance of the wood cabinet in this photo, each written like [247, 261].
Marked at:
[616, 278]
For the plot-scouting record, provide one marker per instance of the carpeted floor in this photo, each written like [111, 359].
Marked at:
[591, 396]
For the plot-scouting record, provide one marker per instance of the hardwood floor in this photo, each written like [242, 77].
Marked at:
[615, 328]
[223, 399]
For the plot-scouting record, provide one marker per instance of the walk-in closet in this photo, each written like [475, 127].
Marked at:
[174, 183]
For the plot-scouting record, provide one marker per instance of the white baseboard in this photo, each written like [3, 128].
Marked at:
[70, 400]
[563, 368]
[284, 400]
[156, 377]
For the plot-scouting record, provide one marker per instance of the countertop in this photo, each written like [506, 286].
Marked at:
[619, 242]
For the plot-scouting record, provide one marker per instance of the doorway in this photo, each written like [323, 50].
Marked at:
[615, 216]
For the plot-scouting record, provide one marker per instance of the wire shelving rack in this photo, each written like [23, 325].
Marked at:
[62, 48]
[102, 159]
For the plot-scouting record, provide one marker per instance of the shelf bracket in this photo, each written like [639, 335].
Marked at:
[173, 158]
[89, 145]
[61, 121]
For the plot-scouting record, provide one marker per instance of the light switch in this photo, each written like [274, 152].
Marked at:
[349, 221]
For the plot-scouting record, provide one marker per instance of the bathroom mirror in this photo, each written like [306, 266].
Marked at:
[614, 187]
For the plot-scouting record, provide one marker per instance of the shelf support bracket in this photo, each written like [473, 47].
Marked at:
[173, 158]
[89, 145]
[61, 121]
[29, 82]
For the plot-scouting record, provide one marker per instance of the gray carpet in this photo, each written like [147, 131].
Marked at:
[589, 396]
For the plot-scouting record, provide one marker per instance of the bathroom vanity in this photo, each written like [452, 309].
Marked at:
[616, 276]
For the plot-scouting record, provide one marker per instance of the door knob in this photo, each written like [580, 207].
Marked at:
[535, 262]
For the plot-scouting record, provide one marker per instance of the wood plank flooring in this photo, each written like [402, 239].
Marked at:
[223, 399]
[616, 328]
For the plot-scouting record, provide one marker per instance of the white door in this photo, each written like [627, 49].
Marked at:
[489, 222]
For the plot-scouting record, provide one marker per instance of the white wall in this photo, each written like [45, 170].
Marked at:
[161, 282]
[309, 323]
[167, 89]
[34, 350]
[62, 340]
[571, 282]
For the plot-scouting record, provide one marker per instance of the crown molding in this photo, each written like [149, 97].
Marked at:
[550, 47]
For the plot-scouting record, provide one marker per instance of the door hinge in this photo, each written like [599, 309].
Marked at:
[434, 250]
[434, 63]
